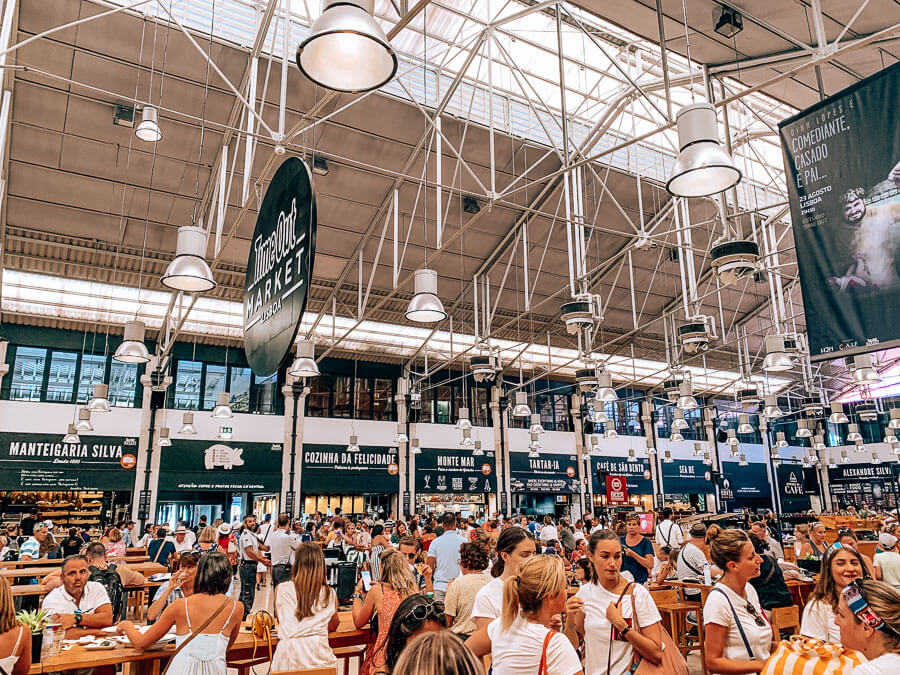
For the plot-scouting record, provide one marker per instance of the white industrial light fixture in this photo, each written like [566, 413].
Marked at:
[533, 446]
[467, 441]
[707, 459]
[771, 409]
[222, 410]
[831, 463]
[731, 438]
[837, 415]
[853, 433]
[536, 426]
[610, 433]
[84, 420]
[819, 443]
[895, 448]
[164, 441]
[703, 167]
[521, 408]
[678, 421]
[71, 435]
[845, 459]
[676, 437]
[353, 445]
[477, 451]
[698, 450]
[744, 426]
[346, 49]
[132, 348]
[189, 271]
[860, 447]
[777, 359]
[401, 433]
[733, 260]
[414, 447]
[595, 443]
[631, 455]
[651, 449]
[895, 419]
[99, 402]
[605, 391]
[667, 457]
[577, 314]
[148, 128]
[686, 401]
[743, 460]
[889, 436]
[463, 422]
[875, 458]
[599, 416]
[863, 371]
[780, 440]
[187, 424]
[304, 364]
[803, 430]
[425, 306]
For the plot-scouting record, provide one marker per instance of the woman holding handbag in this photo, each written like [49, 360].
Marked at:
[840, 566]
[603, 612]
[200, 643]
[521, 641]
[869, 621]
[739, 638]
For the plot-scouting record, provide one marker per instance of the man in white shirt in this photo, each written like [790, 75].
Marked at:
[443, 556]
[282, 545]
[249, 547]
[189, 535]
[82, 605]
[691, 559]
[668, 533]
[181, 541]
[548, 531]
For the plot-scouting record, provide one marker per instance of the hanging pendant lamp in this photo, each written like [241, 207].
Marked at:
[187, 424]
[731, 438]
[425, 306]
[304, 364]
[99, 402]
[346, 49]
[678, 421]
[780, 440]
[837, 415]
[803, 429]
[651, 449]
[853, 433]
[605, 391]
[84, 420]
[686, 400]
[164, 440]
[536, 426]
[467, 440]
[71, 435]
[189, 271]
[222, 410]
[895, 419]
[521, 408]
[744, 426]
[703, 167]
[463, 422]
[401, 433]
[771, 409]
[777, 359]
[414, 448]
[676, 437]
[353, 445]
[132, 348]
[148, 128]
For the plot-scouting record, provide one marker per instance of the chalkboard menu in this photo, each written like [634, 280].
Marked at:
[547, 474]
[441, 470]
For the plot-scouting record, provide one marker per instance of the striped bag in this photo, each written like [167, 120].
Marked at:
[808, 656]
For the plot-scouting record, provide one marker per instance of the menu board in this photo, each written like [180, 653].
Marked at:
[331, 469]
[220, 465]
[871, 485]
[547, 474]
[632, 470]
[44, 462]
[448, 471]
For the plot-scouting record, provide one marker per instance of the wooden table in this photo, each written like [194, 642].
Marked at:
[145, 568]
[676, 614]
[57, 562]
[40, 589]
[151, 662]
[800, 591]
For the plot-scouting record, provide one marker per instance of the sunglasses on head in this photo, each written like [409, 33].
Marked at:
[420, 613]
[189, 555]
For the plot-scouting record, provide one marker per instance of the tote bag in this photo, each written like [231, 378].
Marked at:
[801, 655]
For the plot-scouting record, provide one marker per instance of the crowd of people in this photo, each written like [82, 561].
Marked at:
[536, 595]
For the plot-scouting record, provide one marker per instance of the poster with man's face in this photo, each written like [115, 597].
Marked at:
[842, 163]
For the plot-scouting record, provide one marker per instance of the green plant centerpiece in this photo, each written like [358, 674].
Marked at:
[36, 620]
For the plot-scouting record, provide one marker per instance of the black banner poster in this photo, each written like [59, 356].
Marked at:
[547, 474]
[279, 267]
[44, 462]
[842, 160]
[220, 465]
[330, 469]
[795, 486]
[455, 471]
[869, 485]
[747, 485]
[633, 471]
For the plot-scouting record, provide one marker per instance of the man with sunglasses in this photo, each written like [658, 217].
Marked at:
[409, 546]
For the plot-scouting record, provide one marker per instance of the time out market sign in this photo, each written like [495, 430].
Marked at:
[279, 267]
[43, 462]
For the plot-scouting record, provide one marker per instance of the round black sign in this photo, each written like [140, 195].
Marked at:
[279, 267]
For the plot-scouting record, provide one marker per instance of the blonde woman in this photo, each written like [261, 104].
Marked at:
[114, 544]
[437, 653]
[869, 621]
[15, 640]
[306, 608]
[397, 583]
[521, 639]
[208, 540]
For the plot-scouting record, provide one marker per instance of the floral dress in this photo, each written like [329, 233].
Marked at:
[376, 652]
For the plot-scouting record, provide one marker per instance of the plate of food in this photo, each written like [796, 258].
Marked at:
[101, 645]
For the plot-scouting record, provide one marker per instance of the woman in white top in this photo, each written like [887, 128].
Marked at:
[15, 640]
[603, 612]
[205, 653]
[739, 638]
[869, 620]
[521, 640]
[840, 566]
[306, 608]
[514, 546]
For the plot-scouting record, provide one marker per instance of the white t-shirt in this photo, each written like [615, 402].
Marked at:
[669, 534]
[818, 622]
[183, 546]
[489, 600]
[886, 664]
[58, 601]
[549, 532]
[889, 562]
[248, 540]
[517, 650]
[597, 627]
[717, 611]
[445, 551]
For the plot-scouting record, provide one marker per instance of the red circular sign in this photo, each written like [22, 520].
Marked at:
[486, 469]
[393, 469]
[128, 461]
[616, 484]
[570, 471]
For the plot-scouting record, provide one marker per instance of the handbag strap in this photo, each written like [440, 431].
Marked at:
[159, 550]
[737, 621]
[197, 632]
[611, 628]
[542, 666]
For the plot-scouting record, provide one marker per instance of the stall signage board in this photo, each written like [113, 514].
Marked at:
[331, 469]
[547, 474]
[455, 471]
[44, 462]
[684, 476]
[279, 267]
[616, 490]
[220, 465]
[795, 485]
[632, 471]
[748, 483]
[144, 504]
[869, 485]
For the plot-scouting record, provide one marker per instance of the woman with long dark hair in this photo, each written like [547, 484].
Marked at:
[840, 566]
[514, 546]
[417, 614]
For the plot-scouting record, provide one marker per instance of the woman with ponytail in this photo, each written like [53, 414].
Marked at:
[514, 546]
[521, 641]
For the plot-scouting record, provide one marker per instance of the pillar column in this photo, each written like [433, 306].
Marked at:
[655, 471]
[146, 472]
[405, 461]
[586, 494]
[501, 450]
[295, 394]
[709, 425]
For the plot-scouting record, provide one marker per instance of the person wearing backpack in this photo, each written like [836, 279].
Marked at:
[101, 571]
